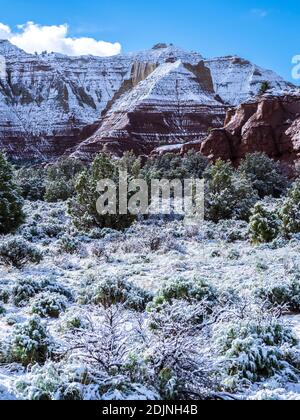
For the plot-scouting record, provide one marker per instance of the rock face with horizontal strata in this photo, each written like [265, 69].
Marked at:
[52, 105]
[270, 125]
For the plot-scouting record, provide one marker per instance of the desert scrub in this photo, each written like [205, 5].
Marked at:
[73, 321]
[121, 291]
[51, 382]
[2, 309]
[184, 289]
[117, 290]
[264, 225]
[4, 295]
[49, 305]
[283, 293]
[253, 350]
[69, 244]
[31, 183]
[17, 252]
[25, 289]
[30, 343]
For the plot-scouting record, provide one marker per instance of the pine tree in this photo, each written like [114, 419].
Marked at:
[228, 194]
[11, 213]
[264, 226]
[83, 207]
[290, 212]
[264, 173]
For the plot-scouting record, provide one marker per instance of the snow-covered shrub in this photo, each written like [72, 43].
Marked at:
[118, 290]
[2, 309]
[17, 252]
[73, 320]
[283, 293]
[52, 286]
[4, 295]
[264, 174]
[228, 195]
[98, 249]
[69, 244]
[11, 204]
[255, 349]
[27, 288]
[50, 229]
[231, 230]
[23, 290]
[177, 366]
[49, 305]
[184, 289]
[30, 342]
[290, 211]
[31, 183]
[274, 395]
[149, 240]
[264, 225]
[233, 254]
[55, 382]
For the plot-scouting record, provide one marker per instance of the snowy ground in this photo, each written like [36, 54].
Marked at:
[218, 254]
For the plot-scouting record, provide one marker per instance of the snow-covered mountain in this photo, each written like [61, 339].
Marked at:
[51, 104]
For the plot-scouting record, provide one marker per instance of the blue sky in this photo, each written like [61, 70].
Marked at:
[266, 32]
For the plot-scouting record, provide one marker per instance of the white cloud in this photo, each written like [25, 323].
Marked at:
[33, 38]
[5, 31]
[261, 13]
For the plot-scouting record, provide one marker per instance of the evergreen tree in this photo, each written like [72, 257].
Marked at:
[290, 212]
[264, 225]
[264, 173]
[228, 194]
[83, 207]
[11, 214]
[61, 179]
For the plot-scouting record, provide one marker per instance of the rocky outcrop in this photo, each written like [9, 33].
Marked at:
[270, 125]
[174, 104]
[51, 104]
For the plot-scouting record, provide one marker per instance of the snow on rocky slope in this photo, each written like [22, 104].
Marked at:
[51, 103]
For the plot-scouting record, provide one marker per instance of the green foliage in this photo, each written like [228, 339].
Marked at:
[256, 349]
[228, 195]
[30, 343]
[171, 166]
[284, 293]
[290, 211]
[184, 289]
[113, 291]
[25, 289]
[264, 225]
[83, 207]
[49, 305]
[18, 252]
[264, 173]
[31, 183]
[61, 179]
[11, 204]
[265, 87]
[69, 244]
